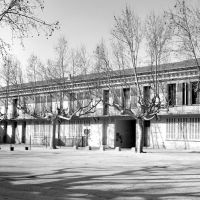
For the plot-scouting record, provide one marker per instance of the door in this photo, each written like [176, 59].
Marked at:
[125, 133]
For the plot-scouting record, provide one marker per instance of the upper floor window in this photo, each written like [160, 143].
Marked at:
[172, 94]
[14, 109]
[49, 102]
[72, 99]
[105, 102]
[42, 103]
[126, 98]
[80, 96]
[195, 93]
[146, 93]
[37, 104]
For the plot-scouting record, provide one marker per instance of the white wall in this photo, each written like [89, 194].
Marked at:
[158, 133]
[95, 137]
[111, 135]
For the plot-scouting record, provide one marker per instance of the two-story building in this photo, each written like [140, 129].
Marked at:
[177, 125]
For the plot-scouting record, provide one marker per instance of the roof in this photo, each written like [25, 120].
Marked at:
[140, 70]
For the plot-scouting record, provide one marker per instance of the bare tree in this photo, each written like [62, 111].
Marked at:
[120, 59]
[11, 76]
[59, 67]
[158, 37]
[185, 20]
[67, 103]
[20, 17]
[102, 63]
[34, 69]
[127, 34]
[6, 77]
[80, 61]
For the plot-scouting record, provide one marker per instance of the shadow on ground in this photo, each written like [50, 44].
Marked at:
[153, 182]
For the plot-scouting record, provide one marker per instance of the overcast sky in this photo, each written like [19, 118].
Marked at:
[83, 22]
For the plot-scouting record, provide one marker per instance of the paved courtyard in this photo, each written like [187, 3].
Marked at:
[80, 174]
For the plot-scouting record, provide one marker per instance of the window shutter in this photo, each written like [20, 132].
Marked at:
[134, 97]
[179, 94]
[117, 95]
[49, 102]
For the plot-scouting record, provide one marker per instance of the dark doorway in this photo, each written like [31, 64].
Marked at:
[125, 133]
[5, 126]
[24, 132]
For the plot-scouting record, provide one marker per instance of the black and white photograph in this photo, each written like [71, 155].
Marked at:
[99, 99]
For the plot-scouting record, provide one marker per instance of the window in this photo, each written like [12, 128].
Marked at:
[116, 95]
[126, 98]
[146, 94]
[87, 95]
[195, 93]
[80, 96]
[72, 99]
[185, 94]
[105, 102]
[43, 103]
[49, 102]
[41, 131]
[14, 109]
[183, 128]
[172, 94]
[37, 104]
[80, 99]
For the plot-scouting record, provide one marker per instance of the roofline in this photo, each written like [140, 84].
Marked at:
[116, 73]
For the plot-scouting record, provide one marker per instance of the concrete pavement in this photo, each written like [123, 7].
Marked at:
[70, 174]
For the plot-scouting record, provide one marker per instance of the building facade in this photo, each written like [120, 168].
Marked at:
[177, 125]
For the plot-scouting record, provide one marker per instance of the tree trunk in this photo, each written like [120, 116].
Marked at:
[53, 135]
[139, 135]
[59, 139]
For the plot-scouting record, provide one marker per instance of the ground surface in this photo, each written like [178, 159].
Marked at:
[79, 174]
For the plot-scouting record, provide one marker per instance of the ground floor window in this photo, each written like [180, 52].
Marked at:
[183, 128]
[41, 130]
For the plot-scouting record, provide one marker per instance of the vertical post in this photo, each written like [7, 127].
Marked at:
[14, 126]
[190, 93]
[104, 133]
[58, 125]
[53, 133]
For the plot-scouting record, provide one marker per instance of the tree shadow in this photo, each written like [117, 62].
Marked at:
[153, 182]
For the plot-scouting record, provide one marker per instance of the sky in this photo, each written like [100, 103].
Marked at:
[82, 22]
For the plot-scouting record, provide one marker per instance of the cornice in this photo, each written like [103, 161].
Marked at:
[175, 74]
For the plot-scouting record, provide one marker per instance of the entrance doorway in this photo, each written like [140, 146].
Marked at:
[125, 133]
